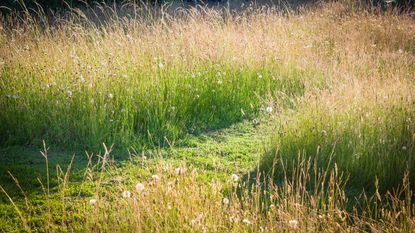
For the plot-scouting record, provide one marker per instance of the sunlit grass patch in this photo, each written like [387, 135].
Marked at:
[368, 138]
[150, 106]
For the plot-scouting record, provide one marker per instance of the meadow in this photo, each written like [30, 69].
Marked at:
[207, 119]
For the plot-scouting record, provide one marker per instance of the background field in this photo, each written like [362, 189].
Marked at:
[260, 119]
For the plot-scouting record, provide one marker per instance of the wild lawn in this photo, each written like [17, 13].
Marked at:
[207, 120]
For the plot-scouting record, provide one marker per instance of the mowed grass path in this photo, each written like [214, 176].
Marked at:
[213, 156]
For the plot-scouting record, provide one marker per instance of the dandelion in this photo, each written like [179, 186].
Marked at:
[139, 187]
[92, 202]
[246, 221]
[234, 178]
[126, 194]
[293, 224]
[179, 171]
[155, 178]
[225, 201]
[269, 110]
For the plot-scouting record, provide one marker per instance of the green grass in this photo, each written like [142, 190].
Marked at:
[149, 106]
[366, 142]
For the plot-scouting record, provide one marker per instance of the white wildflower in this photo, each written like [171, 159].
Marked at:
[161, 65]
[404, 148]
[92, 202]
[155, 178]
[234, 178]
[110, 95]
[246, 221]
[293, 224]
[139, 187]
[126, 194]
[269, 109]
[179, 170]
[225, 201]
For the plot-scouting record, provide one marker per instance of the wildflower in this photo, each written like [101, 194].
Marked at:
[259, 75]
[269, 110]
[225, 201]
[155, 178]
[139, 187]
[161, 66]
[246, 221]
[126, 194]
[404, 148]
[81, 77]
[179, 170]
[166, 167]
[234, 178]
[92, 202]
[110, 95]
[293, 224]
[234, 219]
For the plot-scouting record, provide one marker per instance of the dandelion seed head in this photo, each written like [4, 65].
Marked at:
[225, 201]
[234, 178]
[92, 202]
[126, 194]
[179, 171]
[246, 221]
[269, 109]
[155, 178]
[139, 187]
[293, 224]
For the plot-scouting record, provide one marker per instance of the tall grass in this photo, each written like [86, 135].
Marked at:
[130, 83]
